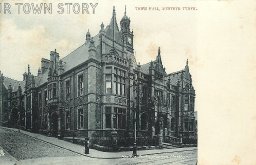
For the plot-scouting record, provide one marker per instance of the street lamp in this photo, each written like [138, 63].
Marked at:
[136, 84]
[134, 153]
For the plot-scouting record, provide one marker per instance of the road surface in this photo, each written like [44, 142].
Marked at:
[23, 149]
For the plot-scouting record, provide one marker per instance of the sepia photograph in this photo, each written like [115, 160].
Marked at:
[127, 82]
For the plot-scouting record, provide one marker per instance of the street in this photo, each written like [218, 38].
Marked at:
[21, 146]
[25, 149]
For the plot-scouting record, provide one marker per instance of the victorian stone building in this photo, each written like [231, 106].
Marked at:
[100, 91]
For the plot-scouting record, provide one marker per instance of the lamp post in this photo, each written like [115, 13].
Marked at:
[136, 84]
[134, 153]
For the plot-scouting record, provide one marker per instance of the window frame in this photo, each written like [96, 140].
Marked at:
[80, 84]
[109, 118]
[80, 125]
[67, 88]
[68, 119]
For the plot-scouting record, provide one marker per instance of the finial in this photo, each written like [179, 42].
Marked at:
[55, 50]
[114, 11]
[125, 10]
[88, 32]
[28, 68]
[159, 51]
[187, 62]
[102, 26]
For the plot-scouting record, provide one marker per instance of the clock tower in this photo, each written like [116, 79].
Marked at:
[127, 34]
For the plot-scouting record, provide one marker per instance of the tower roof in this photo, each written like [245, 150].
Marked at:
[112, 29]
[125, 16]
[158, 57]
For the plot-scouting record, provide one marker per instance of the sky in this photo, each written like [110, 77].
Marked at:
[218, 39]
[34, 36]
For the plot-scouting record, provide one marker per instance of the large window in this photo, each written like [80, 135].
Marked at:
[119, 82]
[80, 85]
[54, 90]
[50, 91]
[119, 118]
[108, 84]
[192, 100]
[80, 118]
[159, 95]
[186, 125]
[108, 117]
[67, 89]
[45, 96]
[186, 99]
[145, 94]
[68, 119]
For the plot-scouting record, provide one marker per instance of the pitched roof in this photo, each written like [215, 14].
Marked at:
[41, 79]
[79, 55]
[145, 68]
[112, 29]
[14, 83]
[175, 77]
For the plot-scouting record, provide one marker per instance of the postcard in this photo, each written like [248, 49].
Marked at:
[127, 82]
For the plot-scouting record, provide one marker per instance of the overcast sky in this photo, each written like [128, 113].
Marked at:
[25, 39]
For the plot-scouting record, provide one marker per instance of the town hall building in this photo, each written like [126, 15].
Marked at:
[99, 91]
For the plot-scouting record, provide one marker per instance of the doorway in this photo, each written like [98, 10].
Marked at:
[54, 124]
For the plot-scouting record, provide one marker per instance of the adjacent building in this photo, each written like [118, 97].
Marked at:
[100, 91]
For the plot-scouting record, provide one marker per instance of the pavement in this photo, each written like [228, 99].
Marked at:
[6, 158]
[78, 149]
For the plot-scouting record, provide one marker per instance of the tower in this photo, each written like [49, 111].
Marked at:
[127, 34]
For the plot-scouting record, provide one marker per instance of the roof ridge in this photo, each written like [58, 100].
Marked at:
[84, 44]
[73, 51]
[176, 72]
[13, 79]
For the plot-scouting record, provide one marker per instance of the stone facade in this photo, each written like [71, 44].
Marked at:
[100, 91]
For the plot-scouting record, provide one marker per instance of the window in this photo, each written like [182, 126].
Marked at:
[108, 84]
[172, 124]
[67, 89]
[54, 90]
[28, 102]
[191, 125]
[108, 69]
[45, 96]
[50, 91]
[68, 119]
[40, 99]
[80, 118]
[192, 99]
[80, 85]
[108, 117]
[159, 95]
[119, 118]
[186, 99]
[119, 82]
[144, 97]
[186, 123]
